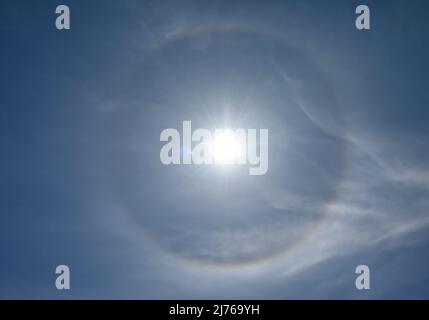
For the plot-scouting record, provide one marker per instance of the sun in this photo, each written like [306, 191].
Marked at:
[226, 147]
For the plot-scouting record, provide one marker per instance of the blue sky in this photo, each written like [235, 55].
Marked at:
[82, 184]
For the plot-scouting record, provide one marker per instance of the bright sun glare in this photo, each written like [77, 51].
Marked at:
[226, 147]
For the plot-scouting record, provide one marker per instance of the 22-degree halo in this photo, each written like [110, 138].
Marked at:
[254, 81]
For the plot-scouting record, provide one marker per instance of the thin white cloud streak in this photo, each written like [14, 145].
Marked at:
[377, 205]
